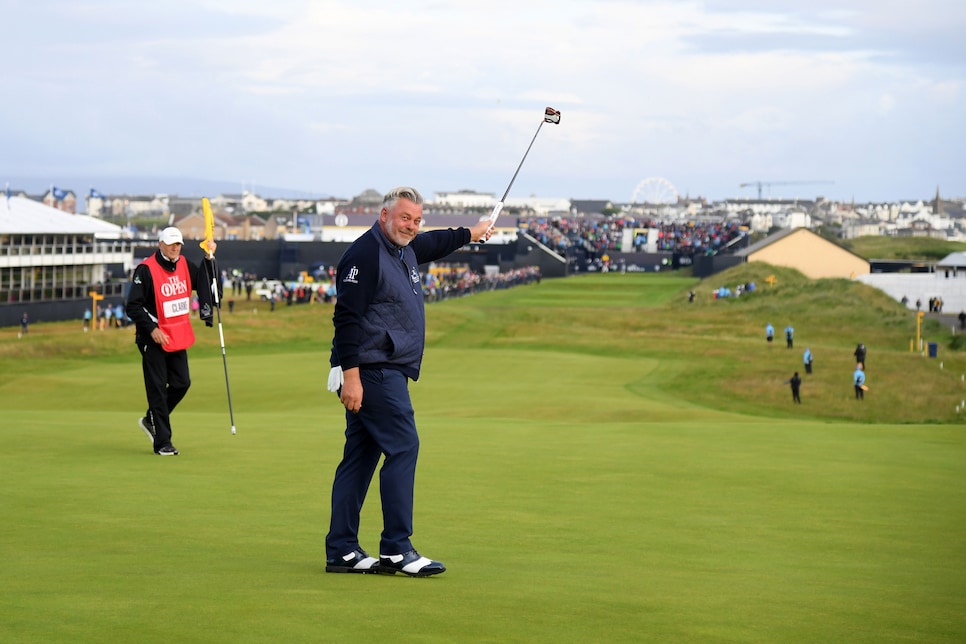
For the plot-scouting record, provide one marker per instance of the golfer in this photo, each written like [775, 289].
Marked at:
[377, 349]
[159, 305]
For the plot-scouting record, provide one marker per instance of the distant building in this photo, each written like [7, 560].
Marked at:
[250, 202]
[589, 207]
[946, 279]
[182, 206]
[861, 228]
[128, 206]
[921, 228]
[48, 255]
[64, 200]
[240, 227]
[230, 203]
[465, 199]
[810, 253]
[558, 206]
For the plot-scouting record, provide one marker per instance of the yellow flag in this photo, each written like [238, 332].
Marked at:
[209, 226]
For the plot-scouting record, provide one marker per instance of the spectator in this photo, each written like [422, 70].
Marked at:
[858, 380]
[859, 354]
[106, 316]
[796, 383]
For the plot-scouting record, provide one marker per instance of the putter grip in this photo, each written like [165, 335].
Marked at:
[493, 217]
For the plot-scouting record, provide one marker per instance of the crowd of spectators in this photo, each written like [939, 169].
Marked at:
[606, 234]
[723, 291]
[445, 282]
[441, 282]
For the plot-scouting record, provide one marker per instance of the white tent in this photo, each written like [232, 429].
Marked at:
[953, 261]
[22, 216]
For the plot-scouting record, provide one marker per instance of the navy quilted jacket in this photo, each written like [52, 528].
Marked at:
[379, 318]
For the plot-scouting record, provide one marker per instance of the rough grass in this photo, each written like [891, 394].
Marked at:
[924, 248]
[711, 352]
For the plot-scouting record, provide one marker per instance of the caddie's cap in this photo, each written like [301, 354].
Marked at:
[171, 235]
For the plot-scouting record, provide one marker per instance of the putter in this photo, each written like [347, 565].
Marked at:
[550, 115]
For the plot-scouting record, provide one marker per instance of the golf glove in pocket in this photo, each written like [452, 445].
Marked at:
[335, 379]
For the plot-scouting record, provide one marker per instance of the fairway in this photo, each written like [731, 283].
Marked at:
[582, 480]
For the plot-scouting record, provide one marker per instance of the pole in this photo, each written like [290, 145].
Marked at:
[919, 316]
[210, 254]
[221, 336]
[95, 298]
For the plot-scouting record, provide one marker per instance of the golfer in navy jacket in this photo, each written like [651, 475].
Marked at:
[377, 348]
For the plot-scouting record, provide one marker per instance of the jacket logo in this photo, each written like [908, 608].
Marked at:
[352, 277]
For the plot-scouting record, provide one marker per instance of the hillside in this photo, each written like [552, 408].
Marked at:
[830, 316]
[924, 248]
[709, 353]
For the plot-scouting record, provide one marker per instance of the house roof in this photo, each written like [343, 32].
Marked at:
[24, 216]
[589, 206]
[781, 234]
[952, 260]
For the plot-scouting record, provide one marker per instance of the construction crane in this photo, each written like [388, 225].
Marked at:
[759, 184]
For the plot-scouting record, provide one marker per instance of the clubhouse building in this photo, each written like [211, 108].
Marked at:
[53, 260]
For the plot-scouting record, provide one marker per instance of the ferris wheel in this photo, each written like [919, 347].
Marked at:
[655, 190]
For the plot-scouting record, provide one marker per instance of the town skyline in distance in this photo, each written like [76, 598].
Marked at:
[192, 187]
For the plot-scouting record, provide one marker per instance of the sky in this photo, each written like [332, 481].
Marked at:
[860, 100]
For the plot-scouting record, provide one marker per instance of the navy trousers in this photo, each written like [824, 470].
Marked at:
[166, 381]
[385, 425]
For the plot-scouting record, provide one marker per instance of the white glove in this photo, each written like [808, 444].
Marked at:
[335, 379]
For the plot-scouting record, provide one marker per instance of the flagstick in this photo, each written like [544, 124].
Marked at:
[221, 335]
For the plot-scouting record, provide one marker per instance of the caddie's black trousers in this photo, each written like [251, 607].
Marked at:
[166, 381]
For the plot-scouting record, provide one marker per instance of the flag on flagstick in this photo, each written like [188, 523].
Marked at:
[57, 193]
[94, 194]
[7, 191]
[209, 226]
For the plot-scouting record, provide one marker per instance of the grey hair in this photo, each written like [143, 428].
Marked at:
[402, 192]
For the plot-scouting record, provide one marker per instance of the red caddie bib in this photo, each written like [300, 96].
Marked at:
[172, 294]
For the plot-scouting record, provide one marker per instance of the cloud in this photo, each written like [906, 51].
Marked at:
[336, 96]
[887, 104]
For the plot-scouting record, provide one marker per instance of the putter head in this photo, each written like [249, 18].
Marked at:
[551, 115]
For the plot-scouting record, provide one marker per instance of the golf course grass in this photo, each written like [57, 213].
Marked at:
[601, 461]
